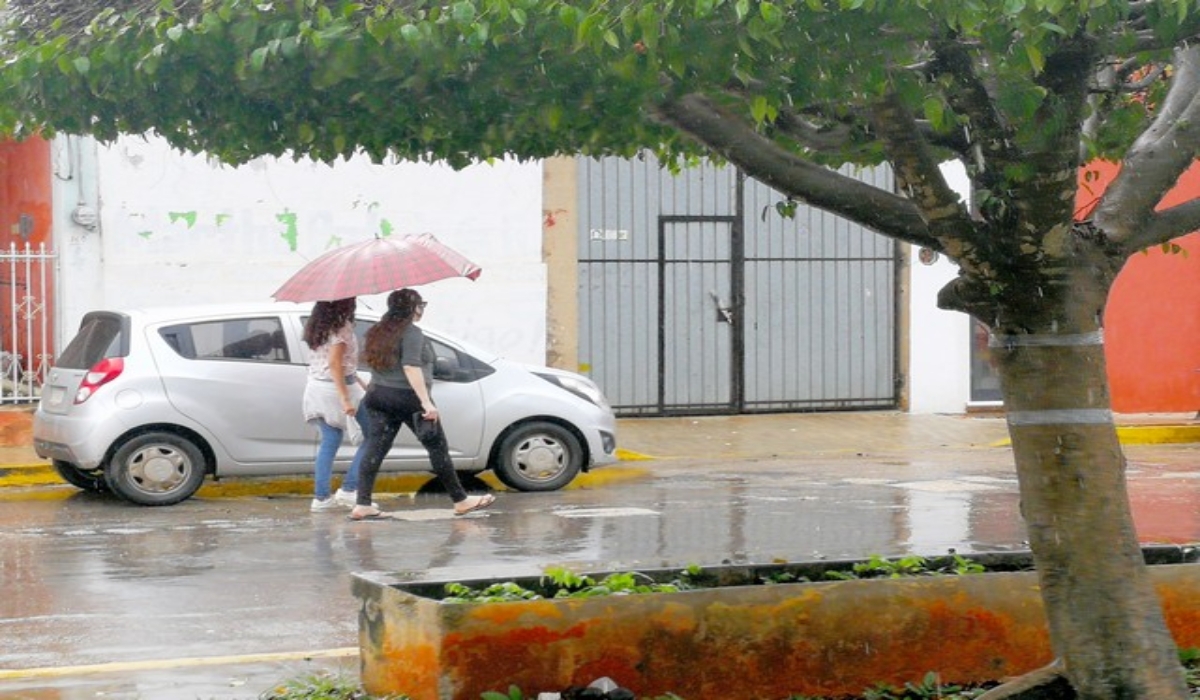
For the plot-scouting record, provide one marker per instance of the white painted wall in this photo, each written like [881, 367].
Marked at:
[177, 228]
[940, 359]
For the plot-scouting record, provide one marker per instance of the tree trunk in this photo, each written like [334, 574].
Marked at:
[1106, 622]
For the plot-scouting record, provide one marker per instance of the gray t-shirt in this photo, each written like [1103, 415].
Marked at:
[415, 351]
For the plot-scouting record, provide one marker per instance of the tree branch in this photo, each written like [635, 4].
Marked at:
[919, 173]
[821, 139]
[1166, 226]
[1156, 159]
[969, 96]
[732, 138]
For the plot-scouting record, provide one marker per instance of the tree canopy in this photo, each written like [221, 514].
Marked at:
[780, 87]
[1022, 92]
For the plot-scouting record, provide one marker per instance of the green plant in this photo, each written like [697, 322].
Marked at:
[781, 577]
[962, 566]
[559, 582]
[495, 593]
[1190, 658]
[878, 567]
[322, 686]
[514, 693]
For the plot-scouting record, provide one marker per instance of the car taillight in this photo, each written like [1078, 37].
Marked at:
[100, 374]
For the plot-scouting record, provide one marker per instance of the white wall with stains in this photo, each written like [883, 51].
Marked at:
[177, 228]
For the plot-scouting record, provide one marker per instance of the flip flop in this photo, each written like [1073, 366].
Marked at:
[484, 501]
[377, 515]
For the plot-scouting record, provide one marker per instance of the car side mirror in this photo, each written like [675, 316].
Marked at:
[443, 369]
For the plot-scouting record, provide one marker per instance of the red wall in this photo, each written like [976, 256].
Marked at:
[25, 189]
[1152, 325]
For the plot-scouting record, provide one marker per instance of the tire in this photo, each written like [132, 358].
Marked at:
[470, 481]
[156, 469]
[87, 479]
[538, 456]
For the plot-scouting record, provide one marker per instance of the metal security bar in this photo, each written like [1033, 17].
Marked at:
[26, 341]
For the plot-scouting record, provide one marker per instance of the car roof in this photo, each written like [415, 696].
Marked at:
[181, 311]
[186, 312]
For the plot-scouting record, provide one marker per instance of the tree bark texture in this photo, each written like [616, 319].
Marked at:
[1105, 619]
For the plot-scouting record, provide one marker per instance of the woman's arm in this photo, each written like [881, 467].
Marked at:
[337, 356]
[416, 378]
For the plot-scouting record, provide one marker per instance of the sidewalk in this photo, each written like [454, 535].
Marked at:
[761, 436]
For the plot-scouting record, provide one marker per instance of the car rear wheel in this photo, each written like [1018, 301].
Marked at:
[86, 479]
[156, 469]
[539, 456]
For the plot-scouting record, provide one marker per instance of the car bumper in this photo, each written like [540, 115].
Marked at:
[78, 440]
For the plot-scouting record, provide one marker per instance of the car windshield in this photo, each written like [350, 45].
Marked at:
[100, 336]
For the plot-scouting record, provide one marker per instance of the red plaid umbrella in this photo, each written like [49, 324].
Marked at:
[374, 266]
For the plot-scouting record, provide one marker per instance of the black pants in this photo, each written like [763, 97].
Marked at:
[388, 409]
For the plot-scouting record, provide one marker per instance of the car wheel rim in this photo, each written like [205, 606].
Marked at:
[540, 458]
[158, 469]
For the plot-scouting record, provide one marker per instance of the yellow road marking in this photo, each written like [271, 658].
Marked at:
[151, 665]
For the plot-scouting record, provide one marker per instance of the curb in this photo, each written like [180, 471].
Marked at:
[1144, 435]
[44, 475]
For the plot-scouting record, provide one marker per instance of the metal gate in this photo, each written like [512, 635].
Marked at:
[26, 337]
[696, 297]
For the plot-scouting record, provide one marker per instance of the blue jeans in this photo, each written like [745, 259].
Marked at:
[331, 440]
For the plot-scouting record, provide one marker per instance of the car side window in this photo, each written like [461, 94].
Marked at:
[451, 365]
[258, 339]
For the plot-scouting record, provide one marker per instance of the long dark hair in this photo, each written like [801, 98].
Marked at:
[382, 350]
[326, 319]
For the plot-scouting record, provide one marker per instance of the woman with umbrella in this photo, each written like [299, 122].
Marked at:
[401, 363]
[331, 397]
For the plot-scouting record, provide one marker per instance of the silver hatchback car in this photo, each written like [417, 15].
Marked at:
[147, 402]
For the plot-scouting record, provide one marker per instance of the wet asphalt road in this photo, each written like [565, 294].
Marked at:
[223, 597]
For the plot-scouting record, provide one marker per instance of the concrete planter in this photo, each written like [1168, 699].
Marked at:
[737, 640]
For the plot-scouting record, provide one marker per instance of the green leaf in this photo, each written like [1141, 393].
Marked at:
[463, 13]
[935, 112]
[410, 33]
[770, 13]
[82, 65]
[258, 59]
[759, 107]
[1036, 59]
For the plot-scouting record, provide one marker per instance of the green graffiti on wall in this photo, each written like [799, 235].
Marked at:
[289, 234]
[385, 228]
[222, 218]
[188, 217]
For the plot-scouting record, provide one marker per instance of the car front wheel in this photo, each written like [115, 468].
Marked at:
[86, 479]
[539, 456]
[156, 469]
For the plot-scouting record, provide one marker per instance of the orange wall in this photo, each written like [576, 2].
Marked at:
[1152, 325]
[25, 189]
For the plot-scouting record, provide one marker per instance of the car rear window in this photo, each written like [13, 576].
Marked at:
[100, 335]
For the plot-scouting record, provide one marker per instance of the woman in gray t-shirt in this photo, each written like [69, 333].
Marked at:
[401, 363]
